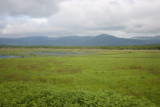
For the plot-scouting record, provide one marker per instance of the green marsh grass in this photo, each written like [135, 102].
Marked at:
[127, 72]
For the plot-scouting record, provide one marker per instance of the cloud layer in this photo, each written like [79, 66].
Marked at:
[123, 18]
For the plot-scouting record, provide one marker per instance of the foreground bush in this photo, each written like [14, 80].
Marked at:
[19, 94]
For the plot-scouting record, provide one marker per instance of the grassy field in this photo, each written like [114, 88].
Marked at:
[132, 76]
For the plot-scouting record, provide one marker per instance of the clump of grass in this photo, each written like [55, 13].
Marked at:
[69, 70]
[10, 76]
[136, 93]
[32, 66]
[42, 79]
[3, 54]
[27, 66]
[24, 78]
[154, 71]
[22, 56]
[62, 80]
[32, 55]
[135, 67]
[130, 52]
[58, 63]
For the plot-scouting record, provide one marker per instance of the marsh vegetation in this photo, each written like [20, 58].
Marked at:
[97, 78]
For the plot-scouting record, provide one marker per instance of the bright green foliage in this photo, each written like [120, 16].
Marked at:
[19, 94]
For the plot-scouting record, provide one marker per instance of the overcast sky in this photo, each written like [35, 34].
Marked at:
[122, 18]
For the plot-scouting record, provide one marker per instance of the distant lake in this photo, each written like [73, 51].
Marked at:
[9, 56]
[34, 54]
[55, 53]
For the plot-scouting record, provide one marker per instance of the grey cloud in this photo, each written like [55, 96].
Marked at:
[33, 8]
[2, 22]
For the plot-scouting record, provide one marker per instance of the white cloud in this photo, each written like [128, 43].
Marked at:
[123, 18]
[31, 25]
[125, 15]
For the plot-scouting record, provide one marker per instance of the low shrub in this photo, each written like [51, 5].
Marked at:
[19, 94]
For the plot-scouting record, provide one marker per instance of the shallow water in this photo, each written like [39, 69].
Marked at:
[9, 56]
[34, 54]
[55, 53]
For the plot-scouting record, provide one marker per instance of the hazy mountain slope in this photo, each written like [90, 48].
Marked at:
[104, 39]
[100, 40]
[72, 41]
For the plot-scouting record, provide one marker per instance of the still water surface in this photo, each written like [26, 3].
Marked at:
[34, 54]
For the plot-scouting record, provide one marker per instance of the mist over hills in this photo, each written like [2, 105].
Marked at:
[99, 40]
[146, 37]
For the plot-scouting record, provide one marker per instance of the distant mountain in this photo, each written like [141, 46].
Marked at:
[100, 40]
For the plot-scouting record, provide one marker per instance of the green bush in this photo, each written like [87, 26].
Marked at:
[19, 94]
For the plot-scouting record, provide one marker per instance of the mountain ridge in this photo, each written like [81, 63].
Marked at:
[99, 40]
